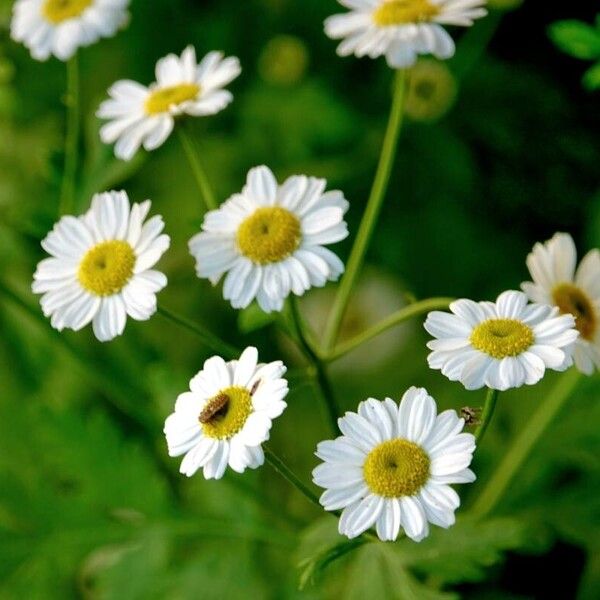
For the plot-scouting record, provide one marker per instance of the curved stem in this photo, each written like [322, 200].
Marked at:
[288, 474]
[369, 220]
[486, 416]
[320, 369]
[524, 444]
[210, 339]
[200, 176]
[67, 192]
[412, 310]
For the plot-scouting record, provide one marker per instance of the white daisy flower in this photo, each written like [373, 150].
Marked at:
[393, 467]
[140, 115]
[100, 268]
[500, 345]
[577, 292]
[59, 27]
[226, 415]
[400, 29]
[270, 239]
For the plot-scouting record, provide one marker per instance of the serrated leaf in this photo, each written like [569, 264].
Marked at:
[591, 78]
[74, 485]
[463, 552]
[379, 572]
[576, 38]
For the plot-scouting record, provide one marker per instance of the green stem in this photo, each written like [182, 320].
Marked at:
[369, 220]
[486, 416]
[526, 441]
[320, 369]
[213, 341]
[200, 176]
[288, 474]
[408, 312]
[67, 192]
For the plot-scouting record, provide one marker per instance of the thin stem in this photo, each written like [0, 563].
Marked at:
[67, 192]
[486, 416]
[369, 220]
[320, 369]
[288, 474]
[408, 312]
[191, 151]
[210, 339]
[526, 441]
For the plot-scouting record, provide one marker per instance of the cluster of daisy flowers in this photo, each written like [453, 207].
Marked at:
[269, 240]
[394, 464]
[392, 467]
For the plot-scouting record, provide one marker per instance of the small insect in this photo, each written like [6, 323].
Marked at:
[470, 415]
[255, 387]
[214, 408]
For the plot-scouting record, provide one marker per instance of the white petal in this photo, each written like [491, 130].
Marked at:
[388, 524]
[358, 518]
[413, 519]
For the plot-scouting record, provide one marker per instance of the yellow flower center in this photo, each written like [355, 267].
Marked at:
[269, 235]
[502, 337]
[400, 12]
[396, 468]
[161, 100]
[572, 300]
[226, 413]
[57, 11]
[107, 267]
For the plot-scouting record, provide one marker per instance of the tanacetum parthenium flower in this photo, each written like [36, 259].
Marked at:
[503, 344]
[400, 29]
[100, 269]
[574, 290]
[393, 467]
[145, 116]
[226, 415]
[270, 239]
[59, 27]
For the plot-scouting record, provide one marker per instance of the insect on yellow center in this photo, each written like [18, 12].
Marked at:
[396, 468]
[161, 100]
[269, 235]
[502, 337]
[400, 12]
[107, 267]
[226, 413]
[57, 11]
[572, 300]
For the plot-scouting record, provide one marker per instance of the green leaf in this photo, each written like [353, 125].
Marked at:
[576, 39]
[379, 572]
[253, 318]
[463, 552]
[312, 567]
[73, 486]
[591, 78]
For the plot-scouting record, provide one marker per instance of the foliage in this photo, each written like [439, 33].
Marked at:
[90, 504]
[582, 41]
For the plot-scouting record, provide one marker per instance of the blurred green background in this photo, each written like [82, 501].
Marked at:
[501, 151]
